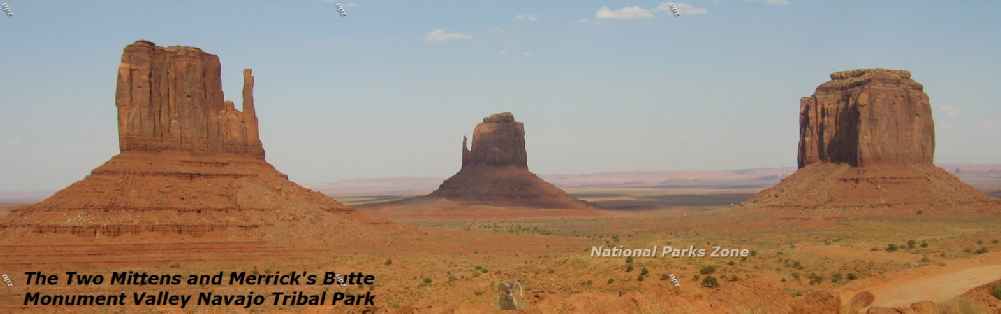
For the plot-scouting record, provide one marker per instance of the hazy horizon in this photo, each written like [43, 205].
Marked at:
[391, 90]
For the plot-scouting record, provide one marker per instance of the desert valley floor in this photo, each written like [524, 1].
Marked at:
[442, 257]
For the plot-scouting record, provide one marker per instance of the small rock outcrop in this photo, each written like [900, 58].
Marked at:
[495, 170]
[190, 164]
[867, 117]
[867, 139]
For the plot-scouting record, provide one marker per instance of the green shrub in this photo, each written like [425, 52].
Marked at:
[892, 247]
[836, 278]
[996, 292]
[708, 269]
[710, 282]
[815, 279]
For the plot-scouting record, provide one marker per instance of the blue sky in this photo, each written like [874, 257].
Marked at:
[601, 85]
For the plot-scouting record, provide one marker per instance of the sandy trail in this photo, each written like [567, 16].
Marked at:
[937, 288]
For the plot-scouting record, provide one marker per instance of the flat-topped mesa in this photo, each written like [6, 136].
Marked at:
[867, 140]
[498, 141]
[171, 99]
[867, 117]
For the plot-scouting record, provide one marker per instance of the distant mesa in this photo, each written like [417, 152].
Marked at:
[190, 163]
[867, 139]
[495, 170]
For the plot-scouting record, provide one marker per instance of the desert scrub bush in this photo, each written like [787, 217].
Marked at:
[981, 250]
[996, 292]
[629, 268]
[924, 244]
[815, 279]
[793, 264]
[707, 270]
[426, 281]
[710, 282]
[851, 276]
[836, 277]
[892, 247]
[911, 244]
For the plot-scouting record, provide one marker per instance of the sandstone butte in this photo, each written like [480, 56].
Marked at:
[867, 139]
[190, 163]
[495, 170]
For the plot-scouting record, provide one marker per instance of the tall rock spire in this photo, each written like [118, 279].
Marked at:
[252, 124]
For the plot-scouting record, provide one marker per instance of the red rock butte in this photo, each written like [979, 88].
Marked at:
[190, 163]
[867, 139]
[495, 170]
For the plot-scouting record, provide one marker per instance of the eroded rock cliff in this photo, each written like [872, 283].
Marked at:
[867, 117]
[171, 99]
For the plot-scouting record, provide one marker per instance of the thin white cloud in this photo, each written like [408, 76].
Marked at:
[684, 8]
[771, 2]
[626, 13]
[348, 4]
[440, 35]
[949, 110]
[526, 18]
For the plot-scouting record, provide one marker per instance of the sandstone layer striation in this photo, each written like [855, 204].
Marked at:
[495, 170]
